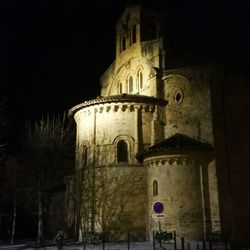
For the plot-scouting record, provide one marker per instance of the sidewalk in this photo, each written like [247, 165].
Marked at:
[108, 246]
[79, 246]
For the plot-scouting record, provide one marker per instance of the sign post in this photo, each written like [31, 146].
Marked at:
[158, 208]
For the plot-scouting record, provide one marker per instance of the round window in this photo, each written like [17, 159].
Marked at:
[178, 97]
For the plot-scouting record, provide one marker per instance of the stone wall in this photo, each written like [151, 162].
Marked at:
[179, 189]
[189, 103]
[203, 103]
[120, 187]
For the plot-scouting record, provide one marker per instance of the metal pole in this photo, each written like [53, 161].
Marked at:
[182, 243]
[226, 248]
[204, 244]
[175, 246]
[103, 241]
[153, 240]
[128, 241]
[83, 241]
[197, 246]
[210, 245]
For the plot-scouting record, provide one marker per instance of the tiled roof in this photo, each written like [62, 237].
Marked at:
[175, 144]
[118, 98]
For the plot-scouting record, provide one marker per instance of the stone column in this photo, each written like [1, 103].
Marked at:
[137, 108]
[205, 200]
[153, 135]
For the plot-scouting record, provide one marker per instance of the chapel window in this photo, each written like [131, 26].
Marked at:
[155, 188]
[130, 85]
[140, 79]
[122, 151]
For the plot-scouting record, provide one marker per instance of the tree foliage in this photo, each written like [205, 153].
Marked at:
[46, 158]
[7, 167]
[108, 197]
[6, 131]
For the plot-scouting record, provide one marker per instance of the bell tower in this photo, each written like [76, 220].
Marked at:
[140, 54]
[136, 27]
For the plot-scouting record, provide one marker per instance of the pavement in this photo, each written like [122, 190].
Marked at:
[80, 246]
[71, 245]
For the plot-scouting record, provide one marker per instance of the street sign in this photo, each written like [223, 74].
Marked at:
[158, 217]
[158, 207]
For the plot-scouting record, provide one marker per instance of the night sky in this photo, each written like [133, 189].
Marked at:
[53, 52]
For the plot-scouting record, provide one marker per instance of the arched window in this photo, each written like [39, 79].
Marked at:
[140, 79]
[120, 88]
[130, 85]
[133, 34]
[122, 151]
[155, 188]
[123, 42]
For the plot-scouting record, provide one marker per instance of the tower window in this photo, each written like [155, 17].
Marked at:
[155, 188]
[123, 42]
[130, 85]
[133, 34]
[122, 151]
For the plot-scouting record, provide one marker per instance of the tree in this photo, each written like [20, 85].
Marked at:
[7, 168]
[108, 198]
[46, 158]
[6, 130]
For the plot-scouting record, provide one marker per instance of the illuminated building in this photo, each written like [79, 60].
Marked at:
[156, 134]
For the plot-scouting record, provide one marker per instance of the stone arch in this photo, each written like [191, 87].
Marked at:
[123, 41]
[139, 78]
[119, 144]
[120, 87]
[130, 83]
[122, 151]
[177, 89]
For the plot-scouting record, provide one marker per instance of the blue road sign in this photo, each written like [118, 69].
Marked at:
[158, 207]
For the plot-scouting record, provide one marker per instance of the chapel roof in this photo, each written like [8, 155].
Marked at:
[174, 144]
[123, 98]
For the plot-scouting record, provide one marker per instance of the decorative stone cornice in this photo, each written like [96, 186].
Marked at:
[113, 108]
[146, 102]
[173, 160]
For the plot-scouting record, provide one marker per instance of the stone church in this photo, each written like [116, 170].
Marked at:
[153, 149]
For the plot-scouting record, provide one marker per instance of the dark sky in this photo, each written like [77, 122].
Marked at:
[54, 51]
